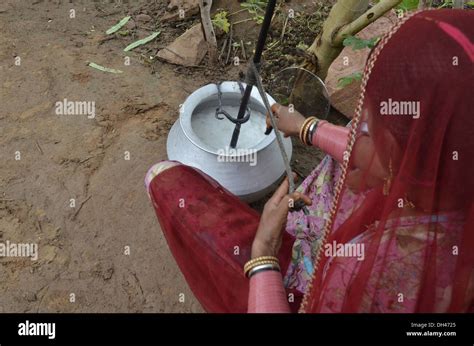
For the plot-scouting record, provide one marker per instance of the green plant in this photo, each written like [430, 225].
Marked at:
[447, 3]
[345, 81]
[221, 21]
[256, 8]
[408, 5]
[358, 43]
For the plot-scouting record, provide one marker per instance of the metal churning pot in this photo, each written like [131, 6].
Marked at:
[251, 169]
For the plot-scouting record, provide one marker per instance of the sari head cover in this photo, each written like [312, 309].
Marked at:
[408, 245]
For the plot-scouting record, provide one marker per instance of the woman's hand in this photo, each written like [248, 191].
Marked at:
[267, 241]
[288, 122]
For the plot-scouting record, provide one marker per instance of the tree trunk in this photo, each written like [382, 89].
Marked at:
[458, 4]
[324, 49]
[347, 17]
[208, 28]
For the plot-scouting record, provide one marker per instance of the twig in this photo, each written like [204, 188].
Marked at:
[224, 45]
[105, 39]
[242, 45]
[39, 148]
[39, 226]
[230, 44]
[242, 21]
[80, 207]
[88, 158]
[236, 12]
[284, 29]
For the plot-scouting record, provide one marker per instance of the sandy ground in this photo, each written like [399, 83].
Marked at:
[49, 159]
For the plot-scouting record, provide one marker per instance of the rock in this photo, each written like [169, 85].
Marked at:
[184, 4]
[351, 61]
[189, 8]
[143, 18]
[187, 50]
[130, 25]
[30, 297]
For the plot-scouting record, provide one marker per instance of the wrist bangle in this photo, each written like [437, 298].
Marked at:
[304, 128]
[264, 260]
[312, 128]
[263, 268]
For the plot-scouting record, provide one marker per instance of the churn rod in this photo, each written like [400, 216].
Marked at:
[256, 60]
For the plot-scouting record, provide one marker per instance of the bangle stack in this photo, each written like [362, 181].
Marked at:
[259, 264]
[307, 130]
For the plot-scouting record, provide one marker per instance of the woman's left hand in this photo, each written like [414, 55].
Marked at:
[268, 239]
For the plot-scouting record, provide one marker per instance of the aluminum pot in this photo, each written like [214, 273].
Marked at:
[199, 139]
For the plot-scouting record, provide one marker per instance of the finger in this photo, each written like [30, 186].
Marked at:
[281, 192]
[299, 196]
[268, 122]
[276, 108]
[285, 205]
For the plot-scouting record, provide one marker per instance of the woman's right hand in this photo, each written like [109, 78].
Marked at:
[288, 121]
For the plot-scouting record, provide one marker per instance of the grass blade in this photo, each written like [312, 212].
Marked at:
[141, 42]
[117, 26]
[102, 68]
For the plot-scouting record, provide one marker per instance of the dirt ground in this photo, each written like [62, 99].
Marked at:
[49, 159]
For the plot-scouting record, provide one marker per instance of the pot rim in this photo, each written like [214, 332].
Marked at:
[193, 100]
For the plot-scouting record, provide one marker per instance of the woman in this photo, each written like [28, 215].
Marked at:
[395, 232]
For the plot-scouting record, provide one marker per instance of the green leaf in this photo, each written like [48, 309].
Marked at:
[117, 26]
[141, 42]
[255, 8]
[345, 81]
[408, 5]
[103, 69]
[359, 43]
[222, 21]
[302, 46]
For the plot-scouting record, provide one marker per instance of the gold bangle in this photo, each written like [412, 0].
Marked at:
[305, 132]
[265, 258]
[259, 260]
[304, 127]
[259, 264]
